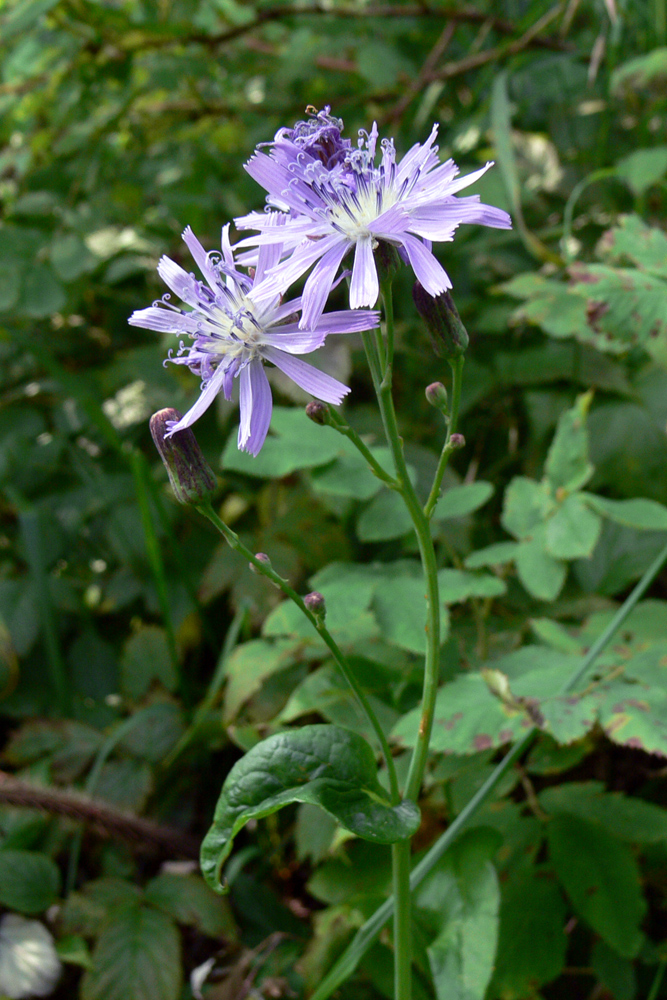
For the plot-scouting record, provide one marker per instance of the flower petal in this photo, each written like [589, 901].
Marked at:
[317, 287]
[166, 320]
[256, 404]
[293, 340]
[347, 321]
[322, 386]
[364, 287]
[206, 397]
[427, 269]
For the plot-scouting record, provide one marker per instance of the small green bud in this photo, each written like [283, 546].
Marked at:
[315, 602]
[436, 394]
[457, 441]
[190, 476]
[448, 334]
[262, 558]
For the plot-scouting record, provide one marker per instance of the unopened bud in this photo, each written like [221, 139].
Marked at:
[448, 334]
[317, 412]
[436, 394]
[315, 602]
[262, 558]
[457, 441]
[387, 260]
[190, 475]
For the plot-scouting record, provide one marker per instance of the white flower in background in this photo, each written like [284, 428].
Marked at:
[29, 965]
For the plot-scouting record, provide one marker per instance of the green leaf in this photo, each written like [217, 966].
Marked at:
[294, 443]
[601, 877]
[190, 901]
[492, 555]
[400, 608]
[643, 168]
[626, 308]
[71, 257]
[636, 717]
[348, 476]
[249, 665]
[647, 71]
[615, 973]
[541, 574]
[574, 530]
[645, 246]
[567, 466]
[532, 941]
[146, 658]
[461, 898]
[42, 295]
[646, 515]
[386, 517]
[323, 765]
[501, 123]
[136, 957]
[23, 15]
[526, 504]
[461, 500]
[10, 285]
[458, 585]
[29, 881]
[626, 817]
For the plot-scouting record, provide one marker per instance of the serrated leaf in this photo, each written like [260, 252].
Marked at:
[645, 246]
[643, 168]
[136, 957]
[249, 665]
[29, 881]
[624, 816]
[567, 466]
[323, 765]
[626, 306]
[461, 500]
[532, 941]
[574, 530]
[190, 901]
[601, 877]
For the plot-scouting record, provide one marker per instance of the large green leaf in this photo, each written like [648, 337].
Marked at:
[574, 529]
[541, 574]
[29, 881]
[624, 816]
[323, 765]
[461, 500]
[399, 605]
[461, 899]
[136, 957]
[295, 442]
[567, 466]
[601, 877]
[532, 941]
[646, 515]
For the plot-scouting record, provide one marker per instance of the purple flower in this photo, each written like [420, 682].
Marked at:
[335, 198]
[236, 323]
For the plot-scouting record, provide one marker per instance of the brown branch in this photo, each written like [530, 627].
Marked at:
[14, 792]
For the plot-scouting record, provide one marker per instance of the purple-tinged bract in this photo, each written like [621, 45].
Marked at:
[333, 198]
[236, 322]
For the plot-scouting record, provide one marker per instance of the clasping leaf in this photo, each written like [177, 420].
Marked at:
[324, 765]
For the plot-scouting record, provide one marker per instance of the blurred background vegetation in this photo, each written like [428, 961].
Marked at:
[123, 121]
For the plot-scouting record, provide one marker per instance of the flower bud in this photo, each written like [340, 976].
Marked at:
[448, 334]
[436, 394]
[317, 412]
[457, 441]
[315, 602]
[190, 476]
[262, 558]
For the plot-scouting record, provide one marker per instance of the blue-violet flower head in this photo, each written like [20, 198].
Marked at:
[335, 198]
[237, 323]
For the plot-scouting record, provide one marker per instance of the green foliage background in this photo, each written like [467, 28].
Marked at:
[138, 656]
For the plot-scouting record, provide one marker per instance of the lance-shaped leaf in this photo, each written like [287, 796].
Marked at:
[324, 765]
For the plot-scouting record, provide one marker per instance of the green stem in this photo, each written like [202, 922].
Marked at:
[457, 382]
[400, 857]
[235, 542]
[655, 987]
[365, 936]
[340, 424]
